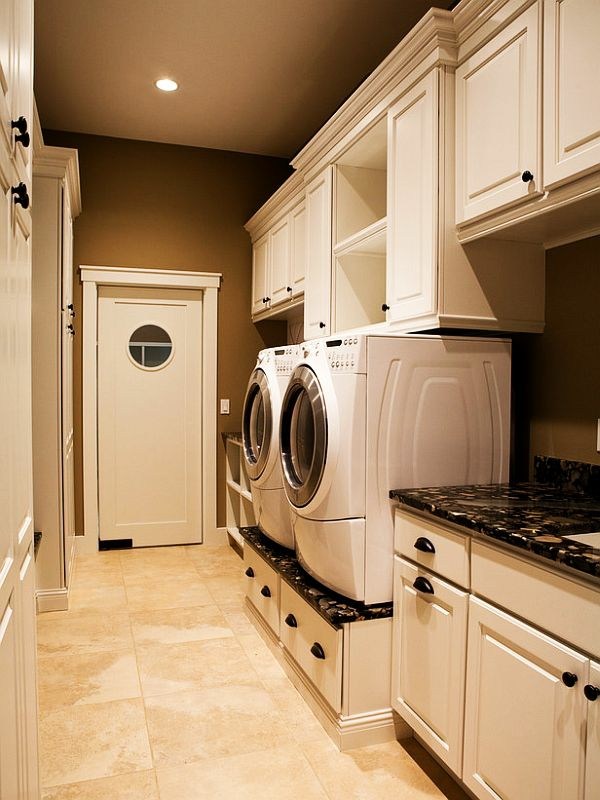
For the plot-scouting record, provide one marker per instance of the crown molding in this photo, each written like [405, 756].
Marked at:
[283, 200]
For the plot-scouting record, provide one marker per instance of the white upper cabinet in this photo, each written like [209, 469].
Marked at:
[260, 274]
[317, 293]
[571, 89]
[497, 120]
[278, 234]
[413, 202]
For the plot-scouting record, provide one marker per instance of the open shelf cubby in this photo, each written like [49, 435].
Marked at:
[239, 508]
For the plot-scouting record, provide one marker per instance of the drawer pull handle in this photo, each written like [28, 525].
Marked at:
[249, 572]
[424, 545]
[421, 584]
[317, 650]
[591, 692]
[291, 621]
[569, 679]
[265, 591]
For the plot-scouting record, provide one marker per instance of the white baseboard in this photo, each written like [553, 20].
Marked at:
[358, 730]
[215, 537]
[52, 600]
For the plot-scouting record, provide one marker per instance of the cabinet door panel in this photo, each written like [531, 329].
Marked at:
[592, 774]
[298, 256]
[571, 96]
[412, 202]
[523, 726]
[497, 113]
[9, 718]
[430, 630]
[260, 274]
[317, 288]
[279, 246]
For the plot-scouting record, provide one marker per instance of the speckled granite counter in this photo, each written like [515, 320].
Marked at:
[332, 607]
[531, 517]
[235, 436]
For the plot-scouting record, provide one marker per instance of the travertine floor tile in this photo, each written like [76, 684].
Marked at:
[207, 723]
[76, 679]
[83, 632]
[136, 572]
[165, 669]
[80, 743]
[93, 597]
[179, 592]
[227, 591]
[280, 774]
[379, 772]
[299, 719]
[177, 625]
[238, 620]
[132, 786]
[261, 658]
[215, 561]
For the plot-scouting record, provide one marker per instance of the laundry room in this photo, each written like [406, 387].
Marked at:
[301, 462]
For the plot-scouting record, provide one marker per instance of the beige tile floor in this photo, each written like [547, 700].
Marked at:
[156, 686]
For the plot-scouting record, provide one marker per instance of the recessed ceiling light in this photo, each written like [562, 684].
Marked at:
[166, 85]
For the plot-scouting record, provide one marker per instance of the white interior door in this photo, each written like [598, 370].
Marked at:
[149, 415]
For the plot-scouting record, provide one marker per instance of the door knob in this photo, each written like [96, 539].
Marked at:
[21, 125]
[20, 195]
[569, 679]
[321, 324]
[385, 307]
[527, 176]
[591, 692]
[288, 288]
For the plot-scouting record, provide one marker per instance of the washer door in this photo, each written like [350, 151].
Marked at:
[303, 436]
[257, 424]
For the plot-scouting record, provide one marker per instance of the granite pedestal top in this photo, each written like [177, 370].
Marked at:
[334, 608]
[532, 517]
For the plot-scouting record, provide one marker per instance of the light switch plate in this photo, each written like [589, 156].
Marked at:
[224, 405]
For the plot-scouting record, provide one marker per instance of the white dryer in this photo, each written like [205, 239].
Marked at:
[363, 414]
[260, 438]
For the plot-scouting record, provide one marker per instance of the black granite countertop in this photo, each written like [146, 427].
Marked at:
[532, 517]
[334, 608]
[234, 436]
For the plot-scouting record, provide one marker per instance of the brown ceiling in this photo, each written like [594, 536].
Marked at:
[256, 76]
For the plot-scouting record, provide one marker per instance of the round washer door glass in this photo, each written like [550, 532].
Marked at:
[256, 424]
[150, 346]
[303, 436]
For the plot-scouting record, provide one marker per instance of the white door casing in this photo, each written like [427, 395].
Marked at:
[205, 283]
[149, 418]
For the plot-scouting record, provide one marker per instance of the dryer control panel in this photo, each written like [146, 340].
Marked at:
[346, 353]
[283, 359]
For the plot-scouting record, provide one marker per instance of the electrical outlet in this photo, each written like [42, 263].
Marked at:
[224, 405]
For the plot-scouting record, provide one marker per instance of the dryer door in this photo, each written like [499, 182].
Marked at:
[303, 436]
[257, 424]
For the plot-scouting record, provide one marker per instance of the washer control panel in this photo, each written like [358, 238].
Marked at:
[282, 359]
[346, 353]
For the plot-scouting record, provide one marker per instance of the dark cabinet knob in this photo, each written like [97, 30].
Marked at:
[291, 621]
[71, 309]
[321, 324]
[264, 299]
[421, 584]
[591, 692]
[288, 288]
[424, 545]
[71, 329]
[527, 176]
[317, 651]
[385, 307]
[249, 572]
[569, 679]
[21, 125]
[265, 591]
[267, 299]
[20, 195]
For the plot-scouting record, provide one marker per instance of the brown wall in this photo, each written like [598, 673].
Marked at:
[558, 373]
[172, 207]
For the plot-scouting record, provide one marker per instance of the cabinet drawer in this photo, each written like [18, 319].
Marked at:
[563, 607]
[262, 588]
[450, 556]
[313, 644]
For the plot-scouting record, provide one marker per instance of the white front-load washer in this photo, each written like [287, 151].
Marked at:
[364, 414]
[260, 441]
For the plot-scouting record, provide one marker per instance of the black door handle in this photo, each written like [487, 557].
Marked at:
[421, 584]
[591, 692]
[249, 572]
[569, 679]
[265, 591]
[317, 651]
[424, 545]
[291, 621]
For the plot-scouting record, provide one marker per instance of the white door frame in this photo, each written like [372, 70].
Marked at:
[206, 282]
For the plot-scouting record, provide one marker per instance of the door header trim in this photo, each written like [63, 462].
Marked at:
[160, 278]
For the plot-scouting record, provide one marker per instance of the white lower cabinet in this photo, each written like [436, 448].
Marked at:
[592, 771]
[524, 714]
[262, 588]
[430, 634]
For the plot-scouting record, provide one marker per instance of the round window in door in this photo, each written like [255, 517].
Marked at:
[257, 424]
[150, 346]
[303, 436]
